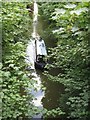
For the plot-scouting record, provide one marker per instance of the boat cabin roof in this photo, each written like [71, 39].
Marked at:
[41, 48]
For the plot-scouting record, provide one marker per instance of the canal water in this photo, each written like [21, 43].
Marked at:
[49, 97]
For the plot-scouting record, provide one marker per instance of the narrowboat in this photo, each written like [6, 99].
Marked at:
[41, 52]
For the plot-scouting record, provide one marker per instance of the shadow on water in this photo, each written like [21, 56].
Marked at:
[52, 92]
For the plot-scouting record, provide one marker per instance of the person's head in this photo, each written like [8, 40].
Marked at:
[40, 38]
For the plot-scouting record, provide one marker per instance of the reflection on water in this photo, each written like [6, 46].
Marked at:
[49, 98]
[38, 94]
[52, 92]
[30, 54]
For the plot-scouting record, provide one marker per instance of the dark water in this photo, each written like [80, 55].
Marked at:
[53, 89]
[51, 94]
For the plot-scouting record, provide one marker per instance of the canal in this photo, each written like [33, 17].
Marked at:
[48, 92]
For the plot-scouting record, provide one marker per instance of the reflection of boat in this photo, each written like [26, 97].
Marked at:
[40, 50]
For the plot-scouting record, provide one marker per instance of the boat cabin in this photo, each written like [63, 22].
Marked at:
[41, 52]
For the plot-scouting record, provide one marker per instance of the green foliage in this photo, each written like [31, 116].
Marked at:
[53, 113]
[48, 25]
[15, 34]
[70, 24]
[72, 57]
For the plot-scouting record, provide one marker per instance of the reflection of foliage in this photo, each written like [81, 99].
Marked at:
[15, 33]
[72, 56]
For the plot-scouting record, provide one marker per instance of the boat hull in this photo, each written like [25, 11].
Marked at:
[40, 65]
